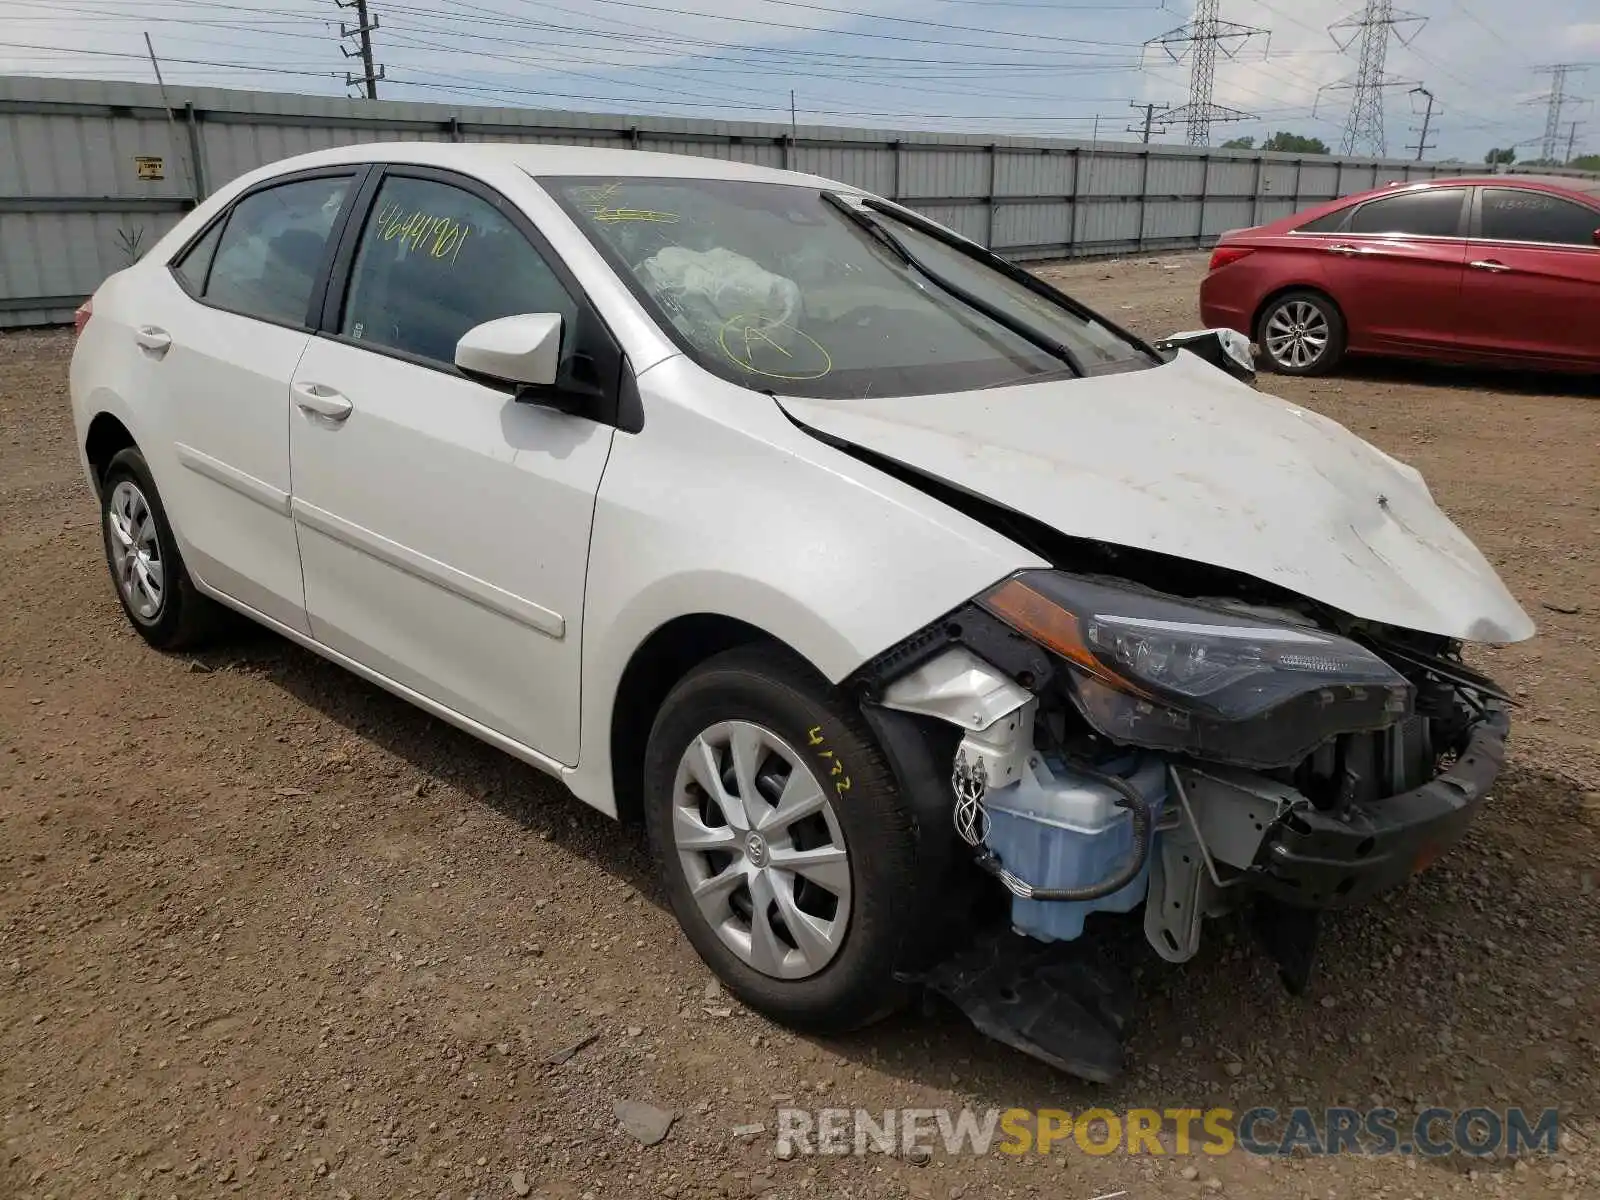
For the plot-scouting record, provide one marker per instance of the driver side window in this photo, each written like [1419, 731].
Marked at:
[435, 260]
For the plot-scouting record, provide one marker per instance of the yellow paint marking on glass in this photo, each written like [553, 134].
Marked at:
[633, 214]
[751, 332]
[438, 236]
[596, 202]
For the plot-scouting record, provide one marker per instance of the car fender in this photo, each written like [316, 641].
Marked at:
[104, 361]
[781, 531]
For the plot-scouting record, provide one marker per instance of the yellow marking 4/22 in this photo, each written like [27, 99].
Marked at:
[841, 781]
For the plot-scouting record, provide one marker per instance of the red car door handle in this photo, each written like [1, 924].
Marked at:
[1489, 264]
[1344, 249]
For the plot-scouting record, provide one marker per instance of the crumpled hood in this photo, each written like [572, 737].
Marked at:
[1186, 461]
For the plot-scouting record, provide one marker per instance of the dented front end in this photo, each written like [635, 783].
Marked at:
[1111, 745]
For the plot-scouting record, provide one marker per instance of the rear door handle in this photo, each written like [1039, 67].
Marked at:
[322, 401]
[1345, 250]
[154, 339]
[1489, 264]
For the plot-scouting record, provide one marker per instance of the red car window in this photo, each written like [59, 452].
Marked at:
[1435, 212]
[1327, 222]
[1521, 215]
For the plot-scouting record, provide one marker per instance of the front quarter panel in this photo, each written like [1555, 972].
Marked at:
[721, 505]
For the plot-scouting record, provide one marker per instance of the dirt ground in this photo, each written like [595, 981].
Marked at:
[265, 929]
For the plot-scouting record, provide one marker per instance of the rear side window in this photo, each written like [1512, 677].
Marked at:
[272, 248]
[195, 265]
[435, 260]
[1327, 223]
[1520, 215]
[1435, 212]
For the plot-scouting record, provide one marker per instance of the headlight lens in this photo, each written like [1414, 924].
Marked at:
[1157, 671]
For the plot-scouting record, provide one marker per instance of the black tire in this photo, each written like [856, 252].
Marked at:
[184, 617]
[773, 689]
[1326, 311]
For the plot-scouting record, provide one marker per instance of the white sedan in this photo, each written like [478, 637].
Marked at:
[917, 610]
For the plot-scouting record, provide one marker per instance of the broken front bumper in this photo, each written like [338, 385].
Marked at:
[1330, 859]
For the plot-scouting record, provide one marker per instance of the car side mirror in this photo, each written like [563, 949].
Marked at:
[1227, 349]
[523, 350]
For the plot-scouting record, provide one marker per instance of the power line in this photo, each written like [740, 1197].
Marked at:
[1201, 38]
[466, 85]
[676, 86]
[235, 66]
[854, 33]
[1378, 22]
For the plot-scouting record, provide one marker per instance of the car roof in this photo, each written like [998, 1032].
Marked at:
[1584, 188]
[1570, 183]
[541, 160]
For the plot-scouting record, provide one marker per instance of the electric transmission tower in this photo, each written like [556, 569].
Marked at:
[1556, 100]
[1379, 21]
[1199, 41]
[368, 79]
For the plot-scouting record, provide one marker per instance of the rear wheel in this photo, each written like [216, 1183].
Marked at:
[781, 839]
[146, 566]
[1301, 333]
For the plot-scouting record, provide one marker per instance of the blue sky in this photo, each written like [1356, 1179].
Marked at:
[1063, 67]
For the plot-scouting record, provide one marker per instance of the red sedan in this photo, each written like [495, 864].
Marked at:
[1502, 270]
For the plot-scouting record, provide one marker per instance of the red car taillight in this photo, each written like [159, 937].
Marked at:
[1222, 256]
[81, 317]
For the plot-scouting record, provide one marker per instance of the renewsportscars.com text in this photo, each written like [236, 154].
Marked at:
[1433, 1132]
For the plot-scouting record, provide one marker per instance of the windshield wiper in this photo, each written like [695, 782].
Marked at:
[1006, 267]
[877, 229]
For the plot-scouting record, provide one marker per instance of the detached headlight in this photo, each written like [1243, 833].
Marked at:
[1171, 674]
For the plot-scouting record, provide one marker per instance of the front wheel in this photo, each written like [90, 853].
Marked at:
[1301, 333]
[781, 840]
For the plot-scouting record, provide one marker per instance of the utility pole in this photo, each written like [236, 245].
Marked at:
[1555, 100]
[791, 116]
[1572, 140]
[368, 79]
[1145, 129]
[172, 121]
[1200, 39]
[1378, 22]
[1423, 144]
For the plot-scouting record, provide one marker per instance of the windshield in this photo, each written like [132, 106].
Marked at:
[773, 287]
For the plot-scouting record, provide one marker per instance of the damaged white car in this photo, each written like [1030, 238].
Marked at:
[919, 611]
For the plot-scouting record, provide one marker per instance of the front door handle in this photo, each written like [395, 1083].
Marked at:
[1342, 249]
[1489, 264]
[321, 401]
[154, 339]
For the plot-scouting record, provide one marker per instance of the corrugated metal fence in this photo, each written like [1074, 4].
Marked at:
[93, 172]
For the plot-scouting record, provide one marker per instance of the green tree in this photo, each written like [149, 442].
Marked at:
[1244, 143]
[1586, 162]
[1498, 157]
[1293, 143]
